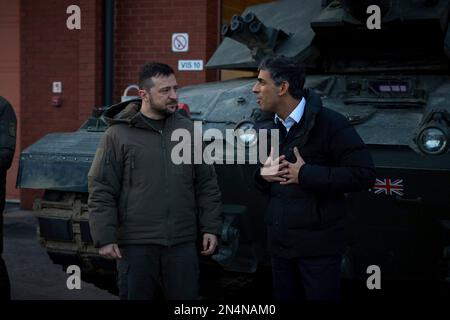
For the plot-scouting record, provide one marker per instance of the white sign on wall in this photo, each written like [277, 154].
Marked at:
[180, 42]
[57, 87]
[190, 65]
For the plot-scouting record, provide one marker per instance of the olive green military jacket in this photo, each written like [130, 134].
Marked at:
[137, 195]
[8, 125]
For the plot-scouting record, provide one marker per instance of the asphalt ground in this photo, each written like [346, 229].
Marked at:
[32, 274]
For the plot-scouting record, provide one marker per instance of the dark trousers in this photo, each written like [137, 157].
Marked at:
[312, 278]
[5, 290]
[146, 269]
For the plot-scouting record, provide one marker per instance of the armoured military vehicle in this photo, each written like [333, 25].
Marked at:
[391, 82]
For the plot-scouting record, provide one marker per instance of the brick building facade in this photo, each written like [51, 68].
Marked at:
[51, 52]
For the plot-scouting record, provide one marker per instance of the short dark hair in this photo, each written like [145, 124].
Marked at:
[281, 69]
[153, 69]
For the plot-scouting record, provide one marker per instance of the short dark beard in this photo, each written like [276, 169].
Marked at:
[163, 113]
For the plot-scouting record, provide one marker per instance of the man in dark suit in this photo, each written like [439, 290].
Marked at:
[321, 158]
[8, 124]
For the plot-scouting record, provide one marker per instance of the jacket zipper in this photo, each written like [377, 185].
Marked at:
[166, 181]
[166, 186]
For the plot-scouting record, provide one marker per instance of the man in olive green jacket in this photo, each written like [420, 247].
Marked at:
[146, 211]
[8, 125]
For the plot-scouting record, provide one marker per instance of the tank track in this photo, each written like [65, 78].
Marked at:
[63, 231]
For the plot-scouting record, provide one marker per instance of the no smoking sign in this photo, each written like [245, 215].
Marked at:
[180, 42]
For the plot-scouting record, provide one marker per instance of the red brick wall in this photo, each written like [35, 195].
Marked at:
[50, 52]
[143, 32]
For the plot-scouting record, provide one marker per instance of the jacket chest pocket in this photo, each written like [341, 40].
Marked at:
[129, 166]
[142, 166]
[132, 165]
[127, 183]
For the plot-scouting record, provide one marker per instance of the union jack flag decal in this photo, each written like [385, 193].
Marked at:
[388, 187]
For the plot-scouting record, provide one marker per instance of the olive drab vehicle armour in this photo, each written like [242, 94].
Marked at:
[393, 85]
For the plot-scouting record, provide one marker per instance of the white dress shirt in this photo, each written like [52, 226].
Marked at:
[294, 117]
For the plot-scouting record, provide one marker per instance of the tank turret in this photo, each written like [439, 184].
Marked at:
[281, 27]
[250, 31]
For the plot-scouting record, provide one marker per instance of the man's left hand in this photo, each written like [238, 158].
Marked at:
[293, 168]
[209, 244]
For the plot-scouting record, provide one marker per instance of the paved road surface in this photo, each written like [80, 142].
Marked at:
[33, 276]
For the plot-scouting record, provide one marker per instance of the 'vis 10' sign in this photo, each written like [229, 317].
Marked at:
[190, 65]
